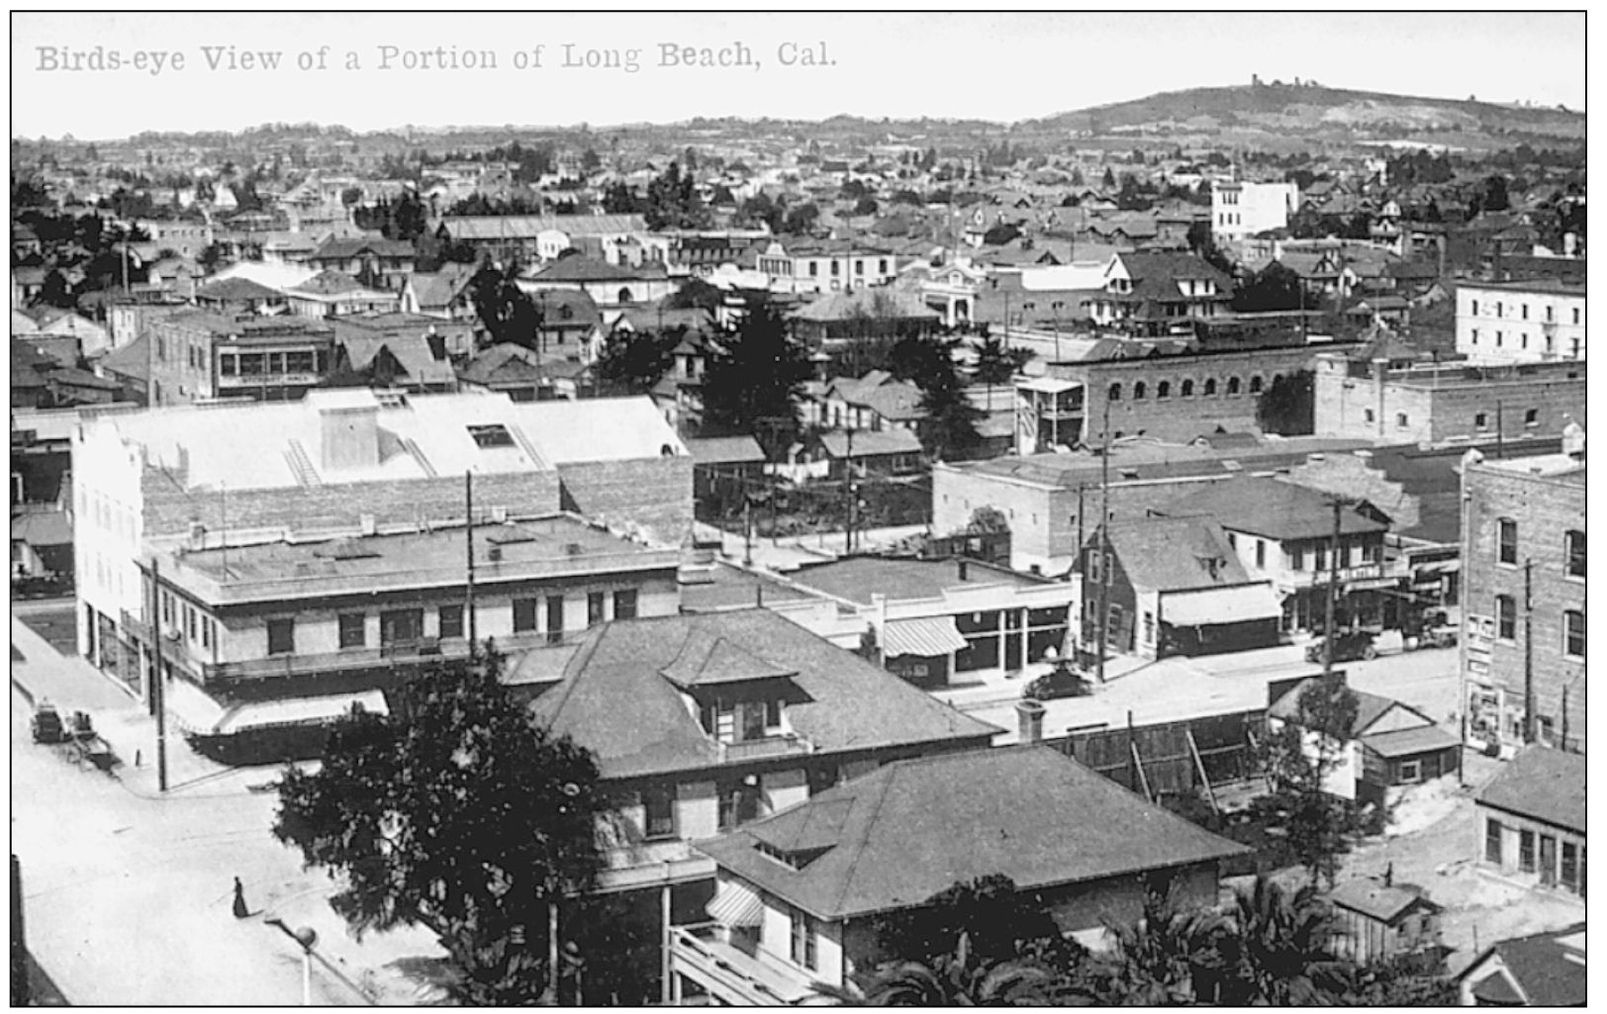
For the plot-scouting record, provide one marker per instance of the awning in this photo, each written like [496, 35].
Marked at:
[1372, 584]
[1210, 606]
[1047, 385]
[735, 905]
[927, 636]
[300, 710]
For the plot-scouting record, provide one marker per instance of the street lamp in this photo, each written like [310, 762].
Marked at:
[306, 938]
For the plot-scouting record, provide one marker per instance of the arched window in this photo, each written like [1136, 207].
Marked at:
[1277, 378]
[625, 295]
[1255, 385]
[1115, 392]
[1210, 387]
[1138, 391]
[1233, 386]
[1188, 389]
[1163, 390]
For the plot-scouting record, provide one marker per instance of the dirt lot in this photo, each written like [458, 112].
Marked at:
[1432, 842]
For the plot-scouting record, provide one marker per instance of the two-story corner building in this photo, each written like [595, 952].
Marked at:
[281, 617]
[1520, 322]
[701, 723]
[332, 293]
[1523, 604]
[1531, 820]
[812, 266]
[1240, 210]
[198, 355]
[799, 893]
[1282, 532]
[1172, 586]
[149, 481]
[382, 263]
[1153, 292]
[1433, 403]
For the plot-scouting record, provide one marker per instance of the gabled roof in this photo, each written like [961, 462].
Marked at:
[877, 302]
[1369, 708]
[1272, 508]
[1170, 266]
[336, 248]
[707, 660]
[494, 227]
[505, 363]
[893, 838]
[1175, 554]
[867, 443]
[1549, 967]
[438, 289]
[237, 289]
[896, 400]
[1387, 904]
[588, 269]
[1542, 783]
[616, 700]
[725, 450]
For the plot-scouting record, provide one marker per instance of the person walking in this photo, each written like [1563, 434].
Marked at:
[240, 909]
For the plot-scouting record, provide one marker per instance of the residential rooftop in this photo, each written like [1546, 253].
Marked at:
[858, 578]
[1142, 458]
[725, 586]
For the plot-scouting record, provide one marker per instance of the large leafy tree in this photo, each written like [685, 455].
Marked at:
[1288, 405]
[759, 376]
[1275, 287]
[632, 362]
[1298, 759]
[458, 813]
[506, 311]
[958, 978]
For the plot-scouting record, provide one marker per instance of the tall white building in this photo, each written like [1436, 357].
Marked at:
[1520, 322]
[1239, 210]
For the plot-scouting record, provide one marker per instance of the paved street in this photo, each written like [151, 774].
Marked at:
[128, 893]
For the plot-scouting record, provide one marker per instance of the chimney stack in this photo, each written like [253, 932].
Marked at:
[1029, 714]
[965, 569]
[350, 436]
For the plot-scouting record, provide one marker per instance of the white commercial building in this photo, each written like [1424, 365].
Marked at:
[1520, 322]
[1240, 210]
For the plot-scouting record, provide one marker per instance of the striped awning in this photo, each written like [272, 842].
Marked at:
[735, 905]
[927, 636]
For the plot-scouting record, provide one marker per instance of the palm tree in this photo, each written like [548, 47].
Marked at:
[1169, 956]
[959, 979]
[1280, 948]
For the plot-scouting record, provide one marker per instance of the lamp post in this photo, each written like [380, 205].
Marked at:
[306, 938]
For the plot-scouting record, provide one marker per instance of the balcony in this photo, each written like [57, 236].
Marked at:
[398, 653]
[770, 746]
[652, 864]
[704, 954]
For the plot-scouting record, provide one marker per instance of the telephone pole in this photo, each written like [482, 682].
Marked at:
[1529, 722]
[468, 552]
[158, 690]
[1104, 546]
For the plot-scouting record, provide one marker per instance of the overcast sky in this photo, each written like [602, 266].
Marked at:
[999, 67]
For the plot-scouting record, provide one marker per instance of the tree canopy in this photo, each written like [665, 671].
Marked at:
[506, 311]
[459, 813]
[758, 376]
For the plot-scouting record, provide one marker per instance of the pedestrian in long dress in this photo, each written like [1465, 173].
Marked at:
[240, 909]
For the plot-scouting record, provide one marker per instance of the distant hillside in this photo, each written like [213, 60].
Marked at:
[1312, 111]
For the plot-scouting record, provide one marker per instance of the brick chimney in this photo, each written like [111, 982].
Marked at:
[1029, 715]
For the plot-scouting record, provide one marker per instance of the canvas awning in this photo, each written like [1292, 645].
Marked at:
[927, 636]
[300, 710]
[1207, 607]
[1047, 385]
[735, 905]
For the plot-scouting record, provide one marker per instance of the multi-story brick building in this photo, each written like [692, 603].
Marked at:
[1520, 322]
[339, 460]
[198, 355]
[1430, 404]
[1523, 588]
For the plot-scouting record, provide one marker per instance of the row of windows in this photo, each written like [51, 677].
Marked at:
[1573, 625]
[1573, 547]
[192, 624]
[1500, 311]
[403, 626]
[1523, 341]
[1163, 389]
[257, 364]
[1565, 864]
[836, 267]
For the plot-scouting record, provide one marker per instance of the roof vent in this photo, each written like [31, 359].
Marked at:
[574, 548]
[494, 554]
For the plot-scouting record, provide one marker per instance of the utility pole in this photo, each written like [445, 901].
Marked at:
[1080, 537]
[158, 691]
[1529, 720]
[1333, 587]
[468, 552]
[848, 482]
[1104, 546]
[1500, 446]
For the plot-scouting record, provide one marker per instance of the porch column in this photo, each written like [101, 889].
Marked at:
[669, 994]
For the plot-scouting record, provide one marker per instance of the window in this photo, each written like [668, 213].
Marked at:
[1531, 417]
[1210, 387]
[1473, 307]
[1498, 309]
[814, 269]
[281, 636]
[1411, 772]
[450, 620]
[1401, 420]
[1260, 552]
[803, 941]
[1573, 633]
[1297, 559]
[1320, 554]
[1139, 391]
[1570, 864]
[206, 632]
[494, 435]
[1093, 565]
[1163, 390]
[1188, 389]
[594, 608]
[1255, 385]
[1481, 420]
[1551, 314]
[625, 604]
[859, 268]
[1233, 387]
[401, 626]
[1507, 541]
[353, 630]
[1574, 548]
[1233, 540]
[555, 619]
[660, 813]
[229, 365]
[836, 268]
[1492, 841]
[1367, 414]
[1525, 851]
[1506, 617]
[881, 267]
[772, 713]
[524, 615]
[1576, 315]
[1499, 337]
[1115, 392]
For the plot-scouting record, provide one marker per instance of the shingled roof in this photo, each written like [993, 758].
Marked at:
[1544, 784]
[619, 694]
[1175, 554]
[1273, 509]
[893, 838]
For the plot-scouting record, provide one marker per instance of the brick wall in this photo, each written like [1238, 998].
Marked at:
[1544, 509]
[1176, 417]
[654, 493]
[179, 381]
[1370, 407]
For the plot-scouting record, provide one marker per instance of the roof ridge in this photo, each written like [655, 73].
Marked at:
[861, 831]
